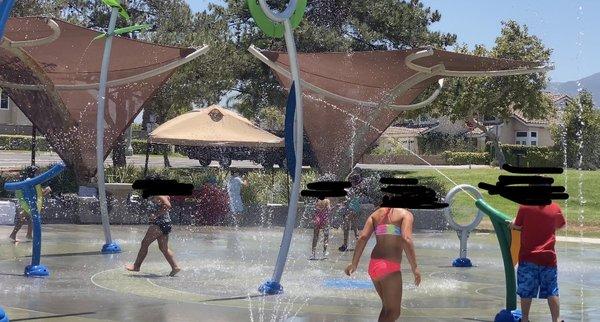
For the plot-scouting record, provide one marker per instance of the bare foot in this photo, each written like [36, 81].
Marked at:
[132, 268]
[14, 240]
[175, 271]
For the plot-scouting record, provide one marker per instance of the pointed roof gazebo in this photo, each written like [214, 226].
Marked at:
[213, 126]
[51, 70]
[350, 99]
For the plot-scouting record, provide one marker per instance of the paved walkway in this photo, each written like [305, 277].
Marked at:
[223, 267]
[11, 159]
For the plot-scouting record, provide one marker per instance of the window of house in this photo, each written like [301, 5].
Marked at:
[533, 138]
[526, 138]
[3, 100]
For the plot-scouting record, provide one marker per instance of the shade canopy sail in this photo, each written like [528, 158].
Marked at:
[213, 126]
[350, 99]
[54, 81]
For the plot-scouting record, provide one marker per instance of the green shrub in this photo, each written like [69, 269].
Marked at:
[4, 177]
[433, 143]
[389, 147]
[533, 156]
[63, 183]
[22, 142]
[139, 147]
[460, 158]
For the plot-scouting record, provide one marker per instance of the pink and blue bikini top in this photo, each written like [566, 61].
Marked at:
[387, 229]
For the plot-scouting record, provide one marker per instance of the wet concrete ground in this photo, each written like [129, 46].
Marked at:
[223, 268]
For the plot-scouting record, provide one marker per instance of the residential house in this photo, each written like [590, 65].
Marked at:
[516, 130]
[406, 136]
[529, 132]
[12, 120]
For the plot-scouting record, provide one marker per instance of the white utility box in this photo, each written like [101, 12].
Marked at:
[7, 213]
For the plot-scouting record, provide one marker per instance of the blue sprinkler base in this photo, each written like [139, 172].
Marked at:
[36, 271]
[111, 248]
[3, 317]
[270, 288]
[508, 316]
[462, 262]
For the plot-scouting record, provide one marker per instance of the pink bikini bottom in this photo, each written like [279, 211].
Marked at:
[380, 268]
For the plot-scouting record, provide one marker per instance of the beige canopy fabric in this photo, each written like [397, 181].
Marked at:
[213, 126]
[37, 79]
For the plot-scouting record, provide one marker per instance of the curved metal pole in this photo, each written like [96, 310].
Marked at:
[35, 42]
[109, 247]
[299, 144]
[256, 53]
[114, 82]
[280, 17]
[409, 61]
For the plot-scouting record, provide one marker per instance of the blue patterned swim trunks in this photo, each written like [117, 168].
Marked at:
[536, 281]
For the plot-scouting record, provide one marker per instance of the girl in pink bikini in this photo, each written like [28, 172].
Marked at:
[321, 221]
[393, 233]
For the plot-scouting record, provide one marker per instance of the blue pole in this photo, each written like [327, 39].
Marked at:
[3, 316]
[27, 187]
[5, 8]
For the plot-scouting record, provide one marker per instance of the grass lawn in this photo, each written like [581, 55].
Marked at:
[464, 208]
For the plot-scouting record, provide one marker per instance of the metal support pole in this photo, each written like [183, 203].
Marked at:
[33, 144]
[148, 146]
[109, 247]
[298, 143]
[129, 151]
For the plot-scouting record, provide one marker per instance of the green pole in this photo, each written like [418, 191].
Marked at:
[502, 230]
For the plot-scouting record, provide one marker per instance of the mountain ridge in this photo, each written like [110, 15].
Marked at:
[590, 83]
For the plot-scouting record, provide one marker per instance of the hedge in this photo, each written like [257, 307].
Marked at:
[532, 156]
[23, 142]
[461, 158]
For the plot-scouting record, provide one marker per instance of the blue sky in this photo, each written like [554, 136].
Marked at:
[572, 32]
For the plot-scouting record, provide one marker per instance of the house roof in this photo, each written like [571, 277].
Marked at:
[554, 97]
[405, 131]
[543, 122]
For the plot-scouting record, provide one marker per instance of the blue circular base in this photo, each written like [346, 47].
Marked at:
[3, 317]
[508, 316]
[111, 248]
[270, 288]
[36, 271]
[462, 262]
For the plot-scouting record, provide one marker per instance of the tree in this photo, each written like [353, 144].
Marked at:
[24, 8]
[475, 99]
[329, 25]
[578, 134]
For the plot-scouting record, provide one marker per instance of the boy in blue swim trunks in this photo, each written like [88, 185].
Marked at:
[537, 275]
